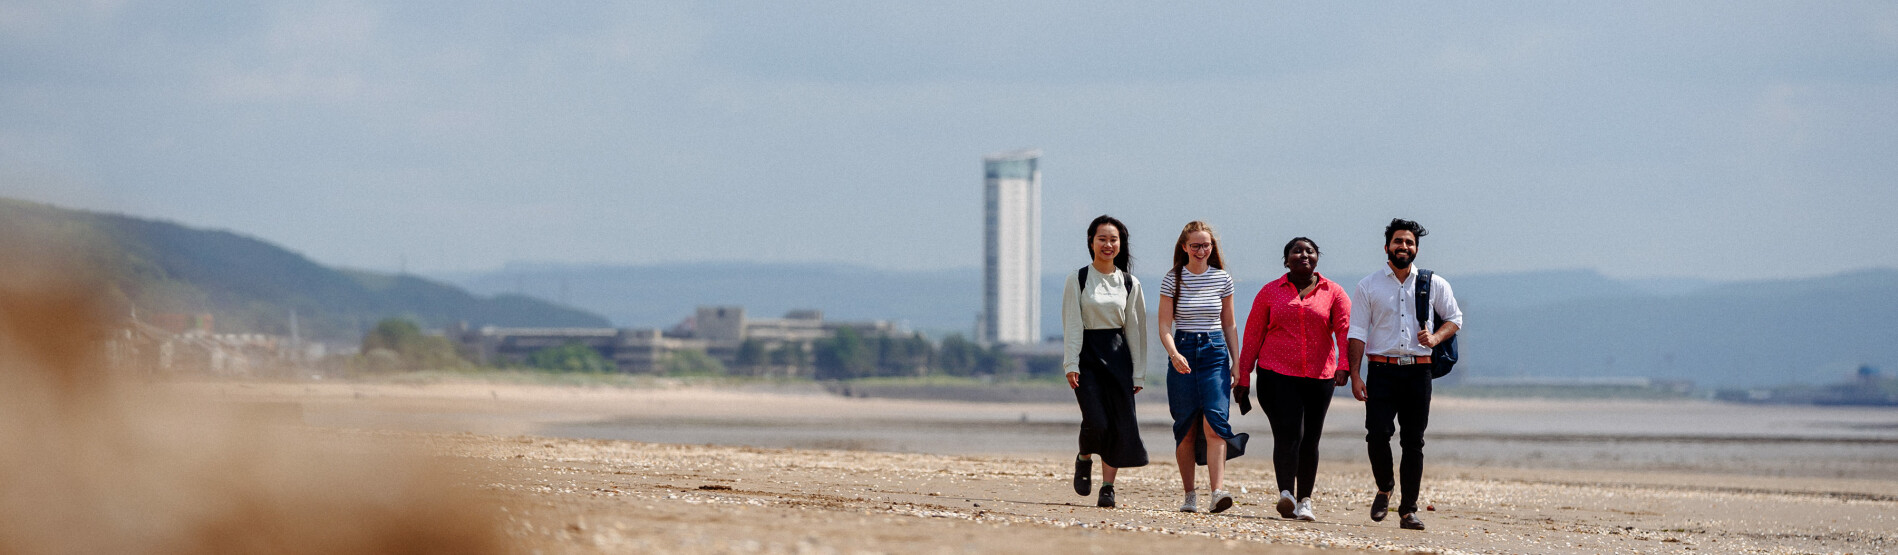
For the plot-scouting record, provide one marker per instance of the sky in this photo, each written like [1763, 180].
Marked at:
[1720, 140]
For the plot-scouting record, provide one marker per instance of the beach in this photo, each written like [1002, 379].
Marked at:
[797, 470]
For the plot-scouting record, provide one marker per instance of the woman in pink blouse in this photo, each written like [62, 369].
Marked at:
[1296, 337]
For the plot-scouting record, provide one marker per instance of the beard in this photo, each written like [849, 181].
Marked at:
[1399, 259]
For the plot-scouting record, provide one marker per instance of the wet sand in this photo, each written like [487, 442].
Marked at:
[692, 470]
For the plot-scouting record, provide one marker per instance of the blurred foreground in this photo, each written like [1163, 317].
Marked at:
[94, 464]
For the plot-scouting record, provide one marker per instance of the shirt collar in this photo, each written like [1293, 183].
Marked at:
[1316, 277]
[1392, 273]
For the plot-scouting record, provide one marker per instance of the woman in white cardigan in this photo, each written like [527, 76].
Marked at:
[1104, 351]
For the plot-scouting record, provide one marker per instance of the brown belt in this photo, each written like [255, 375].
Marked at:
[1425, 359]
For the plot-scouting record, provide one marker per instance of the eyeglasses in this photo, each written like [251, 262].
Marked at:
[1199, 246]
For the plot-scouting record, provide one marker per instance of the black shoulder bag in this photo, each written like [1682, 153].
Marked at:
[1443, 356]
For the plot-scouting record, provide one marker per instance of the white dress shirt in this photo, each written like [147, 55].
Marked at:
[1387, 321]
[1106, 303]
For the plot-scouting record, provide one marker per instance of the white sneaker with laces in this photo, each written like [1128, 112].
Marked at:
[1192, 503]
[1286, 504]
[1304, 511]
[1221, 501]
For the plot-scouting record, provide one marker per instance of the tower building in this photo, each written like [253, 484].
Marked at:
[1011, 265]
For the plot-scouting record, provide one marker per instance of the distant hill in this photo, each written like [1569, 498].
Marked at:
[1811, 331]
[663, 294]
[249, 285]
[1564, 323]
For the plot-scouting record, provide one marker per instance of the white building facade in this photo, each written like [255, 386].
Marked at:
[1011, 267]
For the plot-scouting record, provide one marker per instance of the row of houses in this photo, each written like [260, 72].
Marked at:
[718, 331]
[187, 343]
[173, 343]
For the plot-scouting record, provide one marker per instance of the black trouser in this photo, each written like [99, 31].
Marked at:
[1296, 407]
[1402, 392]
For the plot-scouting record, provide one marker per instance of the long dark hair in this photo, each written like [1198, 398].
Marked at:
[1122, 259]
[1180, 258]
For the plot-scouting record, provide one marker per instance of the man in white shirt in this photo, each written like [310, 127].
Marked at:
[1397, 383]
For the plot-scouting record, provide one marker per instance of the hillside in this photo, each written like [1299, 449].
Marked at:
[1562, 323]
[1811, 331]
[662, 295]
[251, 285]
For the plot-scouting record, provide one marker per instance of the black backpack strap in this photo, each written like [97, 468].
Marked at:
[1424, 311]
[1080, 291]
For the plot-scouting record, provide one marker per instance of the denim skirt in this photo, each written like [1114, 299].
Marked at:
[1205, 393]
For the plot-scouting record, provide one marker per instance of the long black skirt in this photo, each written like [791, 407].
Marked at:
[1106, 395]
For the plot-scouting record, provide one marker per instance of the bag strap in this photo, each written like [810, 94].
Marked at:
[1424, 285]
[1082, 288]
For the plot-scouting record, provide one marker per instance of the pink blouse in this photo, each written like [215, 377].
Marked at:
[1297, 337]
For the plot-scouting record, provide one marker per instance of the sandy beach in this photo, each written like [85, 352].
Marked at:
[576, 469]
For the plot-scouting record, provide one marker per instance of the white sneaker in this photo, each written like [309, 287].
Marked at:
[1221, 501]
[1192, 503]
[1286, 504]
[1304, 511]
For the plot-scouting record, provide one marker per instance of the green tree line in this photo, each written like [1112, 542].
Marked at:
[399, 344]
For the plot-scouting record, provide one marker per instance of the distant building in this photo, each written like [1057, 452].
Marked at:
[173, 343]
[1011, 264]
[718, 331]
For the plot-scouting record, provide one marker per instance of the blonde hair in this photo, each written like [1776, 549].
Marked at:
[1180, 257]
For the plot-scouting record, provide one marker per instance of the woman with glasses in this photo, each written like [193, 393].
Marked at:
[1195, 320]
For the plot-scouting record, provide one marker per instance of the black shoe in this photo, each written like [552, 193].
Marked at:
[1107, 496]
[1380, 506]
[1410, 522]
[1083, 476]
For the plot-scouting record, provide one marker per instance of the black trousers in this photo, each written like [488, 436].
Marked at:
[1401, 393]
[1296, 407]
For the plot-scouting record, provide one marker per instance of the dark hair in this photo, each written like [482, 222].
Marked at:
[1400, 224]
[1122, 259]
[1306, 240]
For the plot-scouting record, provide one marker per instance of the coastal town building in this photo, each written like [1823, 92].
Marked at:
[718, 331]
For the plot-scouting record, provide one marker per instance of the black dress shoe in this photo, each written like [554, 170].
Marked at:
[1107, 496]
[1380, 506]
[1083, 476]
[1410, 522]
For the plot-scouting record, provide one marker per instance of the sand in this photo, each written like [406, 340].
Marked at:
[585, 492]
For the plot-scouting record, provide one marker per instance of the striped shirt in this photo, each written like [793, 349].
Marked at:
[1199, 306]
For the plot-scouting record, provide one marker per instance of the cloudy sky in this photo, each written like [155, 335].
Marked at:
[1717, 140]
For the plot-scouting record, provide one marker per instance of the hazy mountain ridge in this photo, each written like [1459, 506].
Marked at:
[250, 285]
[1560, 323]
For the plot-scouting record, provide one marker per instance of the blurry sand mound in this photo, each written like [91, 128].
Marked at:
[90, 462]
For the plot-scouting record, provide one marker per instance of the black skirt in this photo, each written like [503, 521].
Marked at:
[1106, 395]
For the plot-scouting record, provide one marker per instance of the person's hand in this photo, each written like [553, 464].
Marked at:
[1426, 339]
[1137, 389]
[1357, 388]
[1342, 379]
[1242, 395]
[1074, 380]
[1179, 364]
